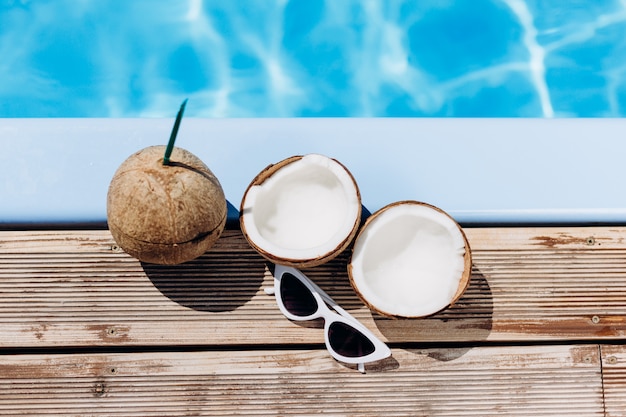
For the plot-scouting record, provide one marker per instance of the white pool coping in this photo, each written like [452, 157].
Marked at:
[487, 171]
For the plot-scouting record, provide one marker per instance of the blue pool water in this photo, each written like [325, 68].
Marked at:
[302, 58]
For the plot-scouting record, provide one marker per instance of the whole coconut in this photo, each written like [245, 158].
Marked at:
[165, 214]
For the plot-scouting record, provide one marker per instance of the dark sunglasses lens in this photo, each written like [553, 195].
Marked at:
[348, 341]
[297, 298]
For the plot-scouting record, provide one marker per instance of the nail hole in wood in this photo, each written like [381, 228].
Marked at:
[99, 389]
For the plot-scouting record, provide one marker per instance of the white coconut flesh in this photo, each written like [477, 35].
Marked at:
[304, 210]
[408, 261]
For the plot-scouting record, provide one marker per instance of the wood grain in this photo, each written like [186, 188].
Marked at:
[203, 338]
[76, 288]
[487, 381]
[614, 379]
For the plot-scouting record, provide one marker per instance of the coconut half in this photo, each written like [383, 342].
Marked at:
[410, 260]
[302, 211]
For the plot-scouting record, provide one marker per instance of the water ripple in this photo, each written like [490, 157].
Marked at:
[302, 58]
[536, 52]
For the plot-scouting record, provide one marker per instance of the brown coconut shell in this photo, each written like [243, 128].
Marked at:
[165, 214]
[467, 261]
[296, 263]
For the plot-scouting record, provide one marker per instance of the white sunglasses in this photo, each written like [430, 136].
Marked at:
[346, 339]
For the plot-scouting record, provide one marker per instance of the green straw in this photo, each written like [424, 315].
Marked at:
[170, 144]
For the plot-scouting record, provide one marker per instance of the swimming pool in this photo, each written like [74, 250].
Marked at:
[313, 58]
[497, 111]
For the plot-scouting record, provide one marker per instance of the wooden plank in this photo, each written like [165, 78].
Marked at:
[75, 288]
[487, 381]
[614, 379]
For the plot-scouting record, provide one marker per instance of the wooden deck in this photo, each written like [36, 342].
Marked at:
[86, 330]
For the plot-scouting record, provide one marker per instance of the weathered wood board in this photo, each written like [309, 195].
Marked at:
[76, 288]
[614, 379]
[484, 381]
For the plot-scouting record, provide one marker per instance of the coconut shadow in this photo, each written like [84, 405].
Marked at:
[213, 282]
[450, 333]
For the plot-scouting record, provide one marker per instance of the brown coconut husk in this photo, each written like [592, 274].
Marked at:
[467, 262]
[165, 214]
[263, 176]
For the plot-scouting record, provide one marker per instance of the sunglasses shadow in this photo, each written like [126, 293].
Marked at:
[212, 282]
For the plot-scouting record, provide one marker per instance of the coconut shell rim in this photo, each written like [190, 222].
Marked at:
[207, 241]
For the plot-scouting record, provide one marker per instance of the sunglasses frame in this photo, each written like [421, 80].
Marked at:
[381, 350]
